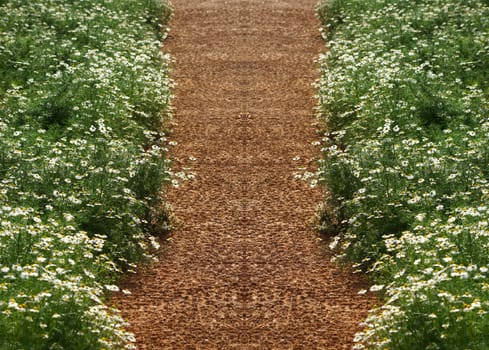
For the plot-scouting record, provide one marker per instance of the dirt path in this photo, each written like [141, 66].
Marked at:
[245, 271]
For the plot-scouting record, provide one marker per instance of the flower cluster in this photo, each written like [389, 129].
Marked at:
[405, 104]
[84, 97]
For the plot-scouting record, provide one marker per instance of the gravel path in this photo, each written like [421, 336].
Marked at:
[245, 270]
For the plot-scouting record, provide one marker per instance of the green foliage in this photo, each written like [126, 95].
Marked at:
[84, 97]
[404, 97]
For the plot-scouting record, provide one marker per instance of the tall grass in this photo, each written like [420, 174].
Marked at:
[84, 96]
[404, 97]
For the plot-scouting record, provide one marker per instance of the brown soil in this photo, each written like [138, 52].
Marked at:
[245, 270]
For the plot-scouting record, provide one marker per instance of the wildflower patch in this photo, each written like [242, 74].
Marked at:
[404, 98]
[84, 97]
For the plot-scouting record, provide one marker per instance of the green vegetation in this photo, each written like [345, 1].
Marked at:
[83, 100]
[404, 97]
